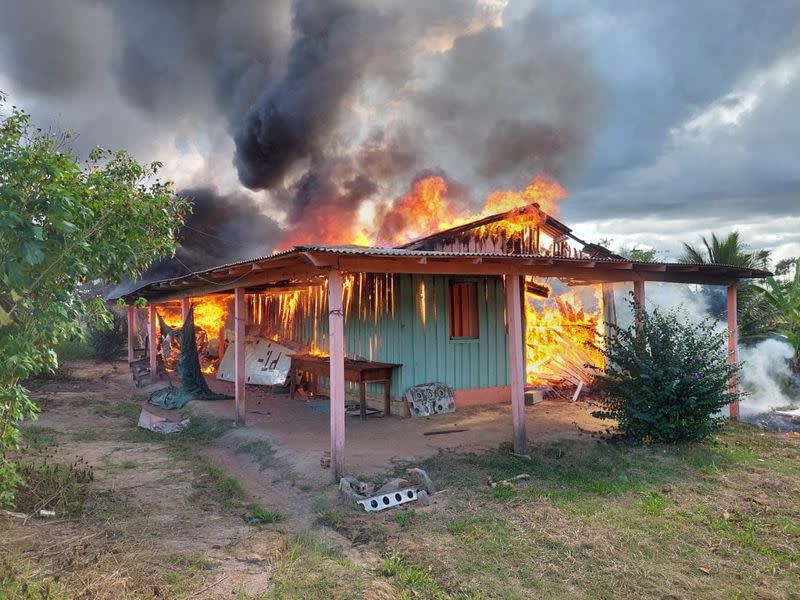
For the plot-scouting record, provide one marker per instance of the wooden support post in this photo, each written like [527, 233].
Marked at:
[152, 339]
[515, 362]
[221, 342]
[523, 297]
[131, 331]
[387, 398]
[336, 342]
[733, 350]
[362, 399]
[239, 322]
[184, 309]
[638, 303]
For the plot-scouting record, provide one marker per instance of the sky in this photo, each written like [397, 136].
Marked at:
[665, 121]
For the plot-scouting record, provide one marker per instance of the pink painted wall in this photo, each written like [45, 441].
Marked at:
[478, 396]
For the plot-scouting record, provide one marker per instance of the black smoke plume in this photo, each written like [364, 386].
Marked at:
[292, 119]
[220, 229]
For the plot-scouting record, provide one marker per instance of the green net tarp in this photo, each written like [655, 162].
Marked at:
[193, 383]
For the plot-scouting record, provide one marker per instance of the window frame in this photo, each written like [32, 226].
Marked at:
[474, 333]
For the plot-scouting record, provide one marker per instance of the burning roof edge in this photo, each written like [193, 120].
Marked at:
[304, 259]
[444, 233]
[594, 249]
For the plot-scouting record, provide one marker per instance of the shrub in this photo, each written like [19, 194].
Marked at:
[666, 381]
[107, 342]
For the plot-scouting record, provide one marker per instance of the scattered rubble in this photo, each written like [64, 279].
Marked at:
[430, 399]
[510, 482]
[417, 488]
[325, 460]
[148, 420]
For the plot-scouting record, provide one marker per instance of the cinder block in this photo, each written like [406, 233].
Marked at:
[533, 397]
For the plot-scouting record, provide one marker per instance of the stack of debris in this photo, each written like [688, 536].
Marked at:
[416, 487]
[430, 399]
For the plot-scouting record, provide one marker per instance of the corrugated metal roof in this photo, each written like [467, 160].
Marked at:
[350, 250]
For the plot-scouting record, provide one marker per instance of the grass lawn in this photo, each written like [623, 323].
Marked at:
[599, 520]
[594, 520]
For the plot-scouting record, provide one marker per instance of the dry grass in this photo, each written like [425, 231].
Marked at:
[595, 520]
[601, 521]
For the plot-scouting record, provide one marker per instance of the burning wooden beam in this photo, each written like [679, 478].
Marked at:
[185, 304]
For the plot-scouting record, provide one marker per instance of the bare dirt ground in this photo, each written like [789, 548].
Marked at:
[152, 515]
[150, 512]
[171, 516]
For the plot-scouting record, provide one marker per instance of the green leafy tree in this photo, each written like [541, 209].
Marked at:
[784, 298]
[665, 381]
[786, 267]
[640, 254]
[63, 223]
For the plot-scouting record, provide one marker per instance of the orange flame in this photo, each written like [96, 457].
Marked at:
[427, 208]
[562, 338]
[423, 210]
[542, 190]
[210, 313]
[326, 225]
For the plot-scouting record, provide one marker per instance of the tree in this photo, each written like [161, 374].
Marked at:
[725, 251]
[753, 312]
[784, 298]
[63, 224]
[786, 267]
[639, 254]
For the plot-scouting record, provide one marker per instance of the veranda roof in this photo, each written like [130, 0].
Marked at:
[304, 264]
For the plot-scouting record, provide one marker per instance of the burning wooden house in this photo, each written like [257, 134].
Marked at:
[487, 307]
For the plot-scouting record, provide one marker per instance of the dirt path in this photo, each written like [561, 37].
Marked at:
[155, 526]
[167, 516]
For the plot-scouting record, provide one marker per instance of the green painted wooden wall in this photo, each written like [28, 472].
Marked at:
[425, 349]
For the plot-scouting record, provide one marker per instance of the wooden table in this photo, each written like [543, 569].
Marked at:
[356, 371]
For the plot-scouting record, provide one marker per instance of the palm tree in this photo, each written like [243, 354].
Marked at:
[726, 251]
[754, 311]
[785, 300]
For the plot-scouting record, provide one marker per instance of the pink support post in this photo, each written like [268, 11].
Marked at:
[152, 339]
[185, 305]
[516, 362]
[336, 340]
[638, 303]
[131, 331]
[733, 350]
[239, 322]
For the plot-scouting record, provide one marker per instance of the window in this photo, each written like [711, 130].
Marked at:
[463, 304]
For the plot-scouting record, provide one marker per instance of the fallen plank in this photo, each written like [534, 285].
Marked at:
[443, 431]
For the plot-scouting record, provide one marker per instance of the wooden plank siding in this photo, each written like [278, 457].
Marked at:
[424, 347]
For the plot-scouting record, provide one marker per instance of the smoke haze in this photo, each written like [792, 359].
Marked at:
[676, 117]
